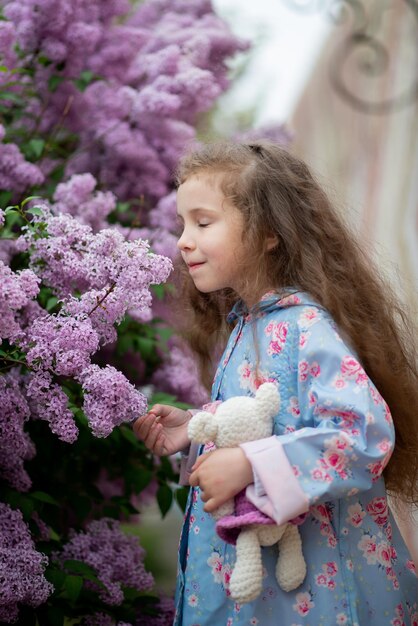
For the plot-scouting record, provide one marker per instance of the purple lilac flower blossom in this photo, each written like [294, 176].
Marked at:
[77, 197]
[179, 375]
[109, 399]
[61, 344]
[15, 444]
[116, 557]
[17, 289]
[16, 173]
[22, 578]
[48, 401]
[2, 216]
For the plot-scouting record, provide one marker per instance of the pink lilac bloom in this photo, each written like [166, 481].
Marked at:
[116, 557]
[61, 344]
[17, 289]
[48, 401]
[22, 578]
[58, 259]
[16, 174]
[77, 197]
[15, 444]
[109, 399]
[1, 218]
[164, 214]
[179, 375]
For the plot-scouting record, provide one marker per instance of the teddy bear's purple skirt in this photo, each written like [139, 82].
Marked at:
[229, 527]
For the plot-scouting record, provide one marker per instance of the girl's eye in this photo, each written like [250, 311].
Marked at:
[202, 225]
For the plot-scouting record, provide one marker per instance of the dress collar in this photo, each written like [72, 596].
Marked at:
[269, 302]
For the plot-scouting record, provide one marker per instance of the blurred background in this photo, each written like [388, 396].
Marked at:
[341, 79]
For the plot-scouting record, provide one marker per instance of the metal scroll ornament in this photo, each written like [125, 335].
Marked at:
[362, 47]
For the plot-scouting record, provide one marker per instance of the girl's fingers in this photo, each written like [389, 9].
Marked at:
[153, 434]
[159, 447]
[143, 426]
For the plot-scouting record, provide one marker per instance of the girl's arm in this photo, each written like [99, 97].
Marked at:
[346, 438]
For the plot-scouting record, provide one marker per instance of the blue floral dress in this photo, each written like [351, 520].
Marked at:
[337, 434]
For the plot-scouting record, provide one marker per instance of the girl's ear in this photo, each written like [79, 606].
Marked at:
[271, 242]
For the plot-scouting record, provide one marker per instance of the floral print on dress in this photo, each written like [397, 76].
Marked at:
[337, 434]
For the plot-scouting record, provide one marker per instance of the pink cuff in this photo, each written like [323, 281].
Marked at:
[284, 499]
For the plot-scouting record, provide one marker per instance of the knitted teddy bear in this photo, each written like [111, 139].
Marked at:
[238, 420]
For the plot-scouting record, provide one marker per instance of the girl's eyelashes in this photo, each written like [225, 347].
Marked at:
[203, 224]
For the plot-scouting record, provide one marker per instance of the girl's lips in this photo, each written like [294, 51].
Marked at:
[193, 266]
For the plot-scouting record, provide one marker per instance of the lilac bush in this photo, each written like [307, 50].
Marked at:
[98, 99]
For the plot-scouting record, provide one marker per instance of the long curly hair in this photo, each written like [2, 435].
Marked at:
[316, 253]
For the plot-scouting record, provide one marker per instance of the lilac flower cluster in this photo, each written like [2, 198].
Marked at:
[22, 578]
[116, 557]
[179, 375]
[15, 172]
[113, 276]
[48, 401]
[17, 289]
[78, 198]
[15, 445]
[160, 64]
[121, 403]
[1, 218]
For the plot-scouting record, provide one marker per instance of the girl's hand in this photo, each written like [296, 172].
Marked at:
[221, 474]
[163, 429]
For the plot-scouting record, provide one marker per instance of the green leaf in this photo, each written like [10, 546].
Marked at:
[56, 577]
[51, 303]
[14, 208]
[145, 346]
[5, 197]
[80, 568]
[37, 146]
[158, 290]
[54, 82]
[73, 586]
[29, 198]
[138, 478]
[12, 97]
[123, 207]
[128, 434]
[164, 499]
[44, 497]
[35, 210]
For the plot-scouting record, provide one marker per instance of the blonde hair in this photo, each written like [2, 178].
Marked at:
[316, 253]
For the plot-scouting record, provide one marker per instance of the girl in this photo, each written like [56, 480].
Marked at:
[269, 264]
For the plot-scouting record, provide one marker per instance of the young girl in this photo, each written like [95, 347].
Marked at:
[269, 264]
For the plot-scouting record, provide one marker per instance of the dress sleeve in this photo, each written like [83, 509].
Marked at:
[345, 434]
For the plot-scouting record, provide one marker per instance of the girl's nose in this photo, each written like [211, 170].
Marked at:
[185, 242]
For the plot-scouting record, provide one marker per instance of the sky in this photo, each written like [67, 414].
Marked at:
[285, 45]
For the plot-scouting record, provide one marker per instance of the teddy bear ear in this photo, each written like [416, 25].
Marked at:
[202, 427]
[268, 393]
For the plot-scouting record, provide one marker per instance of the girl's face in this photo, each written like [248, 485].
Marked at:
[211, 242]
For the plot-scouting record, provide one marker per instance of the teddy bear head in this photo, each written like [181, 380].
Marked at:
[238, 419]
